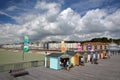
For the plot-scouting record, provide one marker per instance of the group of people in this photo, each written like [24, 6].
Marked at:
[92, 58]
[65, 62]
[89, 58]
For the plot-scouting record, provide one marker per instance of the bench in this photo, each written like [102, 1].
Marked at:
[18, 72]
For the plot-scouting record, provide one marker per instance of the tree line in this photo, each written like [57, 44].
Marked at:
[103, 39]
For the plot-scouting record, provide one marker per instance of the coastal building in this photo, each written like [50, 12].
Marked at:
[113, 48]
[97, 46]
[57, 46]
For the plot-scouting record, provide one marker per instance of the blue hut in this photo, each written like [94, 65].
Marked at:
[53, 60]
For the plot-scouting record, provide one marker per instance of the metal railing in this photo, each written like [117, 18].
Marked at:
[7, 67]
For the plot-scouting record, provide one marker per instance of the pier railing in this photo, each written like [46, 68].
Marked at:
[7, 67]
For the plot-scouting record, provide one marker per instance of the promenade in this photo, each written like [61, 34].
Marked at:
[107, 69]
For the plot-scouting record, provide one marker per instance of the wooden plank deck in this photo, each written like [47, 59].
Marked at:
[107, 69]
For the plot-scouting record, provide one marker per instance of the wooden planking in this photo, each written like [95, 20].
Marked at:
[108, 69]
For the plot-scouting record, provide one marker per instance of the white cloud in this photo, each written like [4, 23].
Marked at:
[56, 24]
[11, 8]
[50, 8]
[3, 13]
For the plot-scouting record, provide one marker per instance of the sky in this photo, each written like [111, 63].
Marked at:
[58, 20]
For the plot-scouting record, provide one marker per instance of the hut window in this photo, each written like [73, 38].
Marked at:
[105, 47]
[100, 46]
[86, 47]
[95, 47]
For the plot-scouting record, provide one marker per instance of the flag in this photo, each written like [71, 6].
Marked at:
[26, 41]
[26, 49]
[79, 47]
[89, 47]
[63, 47]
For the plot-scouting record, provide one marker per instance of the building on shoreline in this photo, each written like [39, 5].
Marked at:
[113, 48]
[97, 46]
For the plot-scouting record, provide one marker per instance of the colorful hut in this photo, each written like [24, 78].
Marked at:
[74, 58]
[54, 60]
[85, 57]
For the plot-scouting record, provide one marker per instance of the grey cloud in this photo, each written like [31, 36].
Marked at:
[62, 25]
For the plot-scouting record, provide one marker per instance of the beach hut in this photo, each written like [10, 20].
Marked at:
[54, 60]
[85, 57]
[74, 58]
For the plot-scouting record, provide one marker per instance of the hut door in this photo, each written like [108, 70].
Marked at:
[80, 59]
[48, 62]
[76, 59]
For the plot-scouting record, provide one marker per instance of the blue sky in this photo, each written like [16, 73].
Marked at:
[80, 6]
[35, 17]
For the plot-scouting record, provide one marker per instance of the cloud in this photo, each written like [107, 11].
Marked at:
[8, 33]
[11, 8]
[94, 20]
[56, 24]
[3, 13]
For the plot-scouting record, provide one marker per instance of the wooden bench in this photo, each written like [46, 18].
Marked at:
[18, 72]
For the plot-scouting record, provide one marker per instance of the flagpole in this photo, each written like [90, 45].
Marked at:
[25, 46]
[23, 55]
[23, 52]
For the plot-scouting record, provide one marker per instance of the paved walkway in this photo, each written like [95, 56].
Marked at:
[107, 69]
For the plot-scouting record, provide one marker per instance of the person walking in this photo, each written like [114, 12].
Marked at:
[68, 65]
[88, 58]
[64, 64]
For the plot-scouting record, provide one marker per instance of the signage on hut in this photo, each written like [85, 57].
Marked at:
[63, 47]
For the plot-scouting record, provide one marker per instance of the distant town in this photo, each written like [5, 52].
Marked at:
[98, 44]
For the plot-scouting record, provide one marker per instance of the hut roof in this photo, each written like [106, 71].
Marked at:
[71, 53]
[55, 54]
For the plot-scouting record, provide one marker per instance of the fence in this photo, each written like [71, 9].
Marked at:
[7, 67]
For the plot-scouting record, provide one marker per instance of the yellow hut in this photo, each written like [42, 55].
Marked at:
[74, 58]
